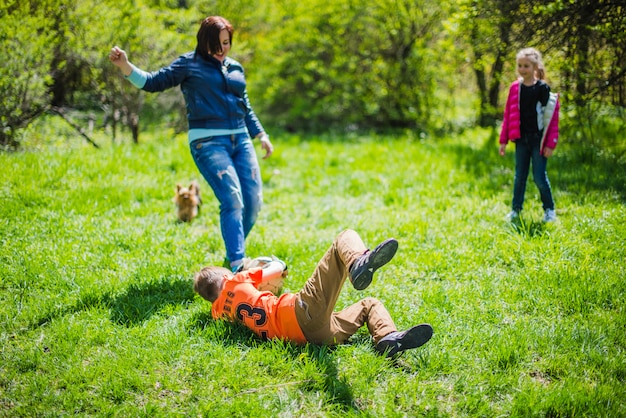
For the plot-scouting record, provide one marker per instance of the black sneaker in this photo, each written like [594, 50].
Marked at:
[397, 342]
[362, 270]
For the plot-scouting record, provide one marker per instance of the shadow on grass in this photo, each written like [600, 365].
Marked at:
[326, 379]
[577, 168]
[136, 304]
[336, 387]
[142, 300]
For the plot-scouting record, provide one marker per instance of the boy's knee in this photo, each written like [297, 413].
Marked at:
[346, 231]
[370, 302]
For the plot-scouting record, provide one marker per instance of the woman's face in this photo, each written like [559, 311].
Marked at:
[225, 43]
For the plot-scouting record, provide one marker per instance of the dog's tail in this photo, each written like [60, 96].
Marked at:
[196, 187]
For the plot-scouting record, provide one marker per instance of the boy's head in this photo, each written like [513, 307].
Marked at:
[208, 282]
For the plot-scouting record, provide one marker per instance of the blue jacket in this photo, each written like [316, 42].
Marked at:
[215, 94]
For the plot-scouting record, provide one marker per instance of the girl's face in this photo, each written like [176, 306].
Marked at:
[225, 43]
[526, 69]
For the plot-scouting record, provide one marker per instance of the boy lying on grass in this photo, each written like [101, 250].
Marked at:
[308, 315]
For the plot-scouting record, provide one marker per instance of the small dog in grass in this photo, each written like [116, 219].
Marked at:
[187, 201]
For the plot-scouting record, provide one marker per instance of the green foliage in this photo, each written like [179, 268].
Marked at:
[25, 36]
[98, 315]
[357, 64]
[595, 128]
[582, 41]
[312, 66]
[590, 39]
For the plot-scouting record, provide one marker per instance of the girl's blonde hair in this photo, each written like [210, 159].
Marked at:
[207, 282]
[534, 56]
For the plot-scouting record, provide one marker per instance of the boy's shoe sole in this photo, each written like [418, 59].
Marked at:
[397, 342]
[363, 269]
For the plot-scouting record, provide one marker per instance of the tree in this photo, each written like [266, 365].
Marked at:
[356, 64]
[591, 36]
[25, 36]
[585, 40]
[488, 27]
[152, 38]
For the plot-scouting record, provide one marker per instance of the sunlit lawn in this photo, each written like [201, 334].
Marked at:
[98, 316]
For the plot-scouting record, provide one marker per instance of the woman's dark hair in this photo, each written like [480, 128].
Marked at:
[209, 35]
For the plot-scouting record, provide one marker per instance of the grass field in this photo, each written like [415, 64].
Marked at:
[98, 316]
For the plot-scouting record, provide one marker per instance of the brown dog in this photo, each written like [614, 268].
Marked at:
[188, 201]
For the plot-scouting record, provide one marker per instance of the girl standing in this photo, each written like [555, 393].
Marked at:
[221, 124]
[531, 120]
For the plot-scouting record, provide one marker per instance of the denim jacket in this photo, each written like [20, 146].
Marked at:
[215, 94]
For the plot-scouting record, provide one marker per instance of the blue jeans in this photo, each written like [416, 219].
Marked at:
[230, 166]
[527, 151]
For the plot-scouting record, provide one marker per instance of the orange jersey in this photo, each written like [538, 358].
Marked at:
[269, 316]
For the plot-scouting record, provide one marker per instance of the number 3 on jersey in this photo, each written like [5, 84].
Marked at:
[258, 315]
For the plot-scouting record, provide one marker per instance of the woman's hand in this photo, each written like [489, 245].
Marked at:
[266, 144]
[502, 149]
[118, 57]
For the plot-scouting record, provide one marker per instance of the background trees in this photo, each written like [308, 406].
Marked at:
[486, 26]
[25, 35]
[317, 65]
[356, 64]
[589, 39]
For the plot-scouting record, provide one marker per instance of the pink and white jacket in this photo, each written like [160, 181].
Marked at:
[547, 117]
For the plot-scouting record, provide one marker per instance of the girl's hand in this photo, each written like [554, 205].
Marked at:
[547, 152]
[502, 149]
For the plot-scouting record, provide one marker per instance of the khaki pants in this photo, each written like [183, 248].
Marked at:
[315, 303]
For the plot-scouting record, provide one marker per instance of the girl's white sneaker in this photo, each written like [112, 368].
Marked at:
[513, 215]
[549, 215]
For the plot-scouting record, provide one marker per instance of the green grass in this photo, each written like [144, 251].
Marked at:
[98, 316]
